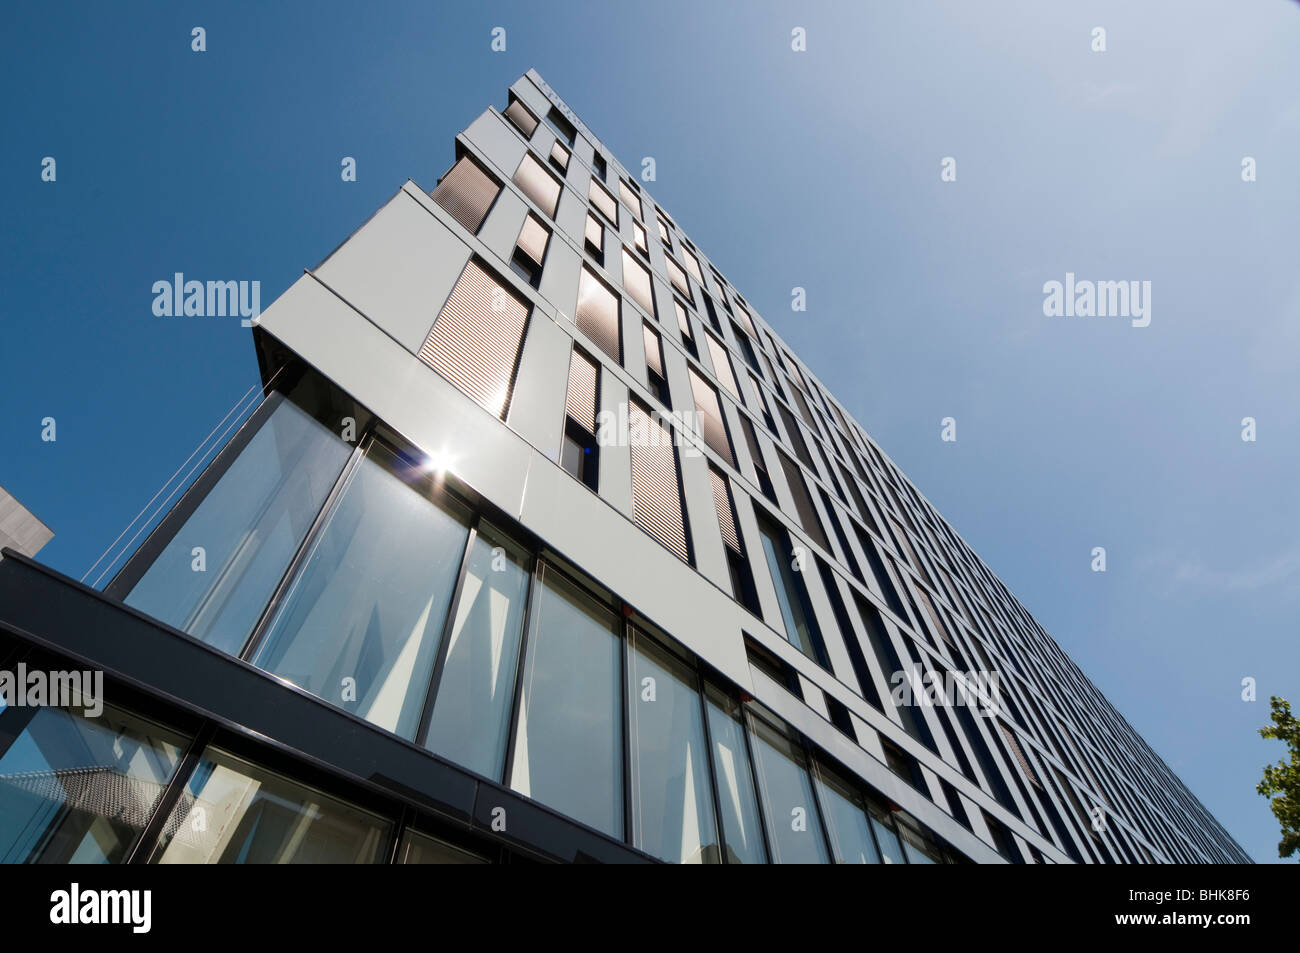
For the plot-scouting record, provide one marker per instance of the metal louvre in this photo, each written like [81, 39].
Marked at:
[595, 233]
[580, 404]
[533, 238]
[678, 278]
[722, 366]
[560, 156]
[475, 341]
[603, 201]
[597, 314]
[538, 184]
[802, 501]
[637, 282]
[653, 355]
[722, 503]
[1014, 744]
[711, 421]
[630, 198]
[517, 113]
[466, 192]
[656, 498]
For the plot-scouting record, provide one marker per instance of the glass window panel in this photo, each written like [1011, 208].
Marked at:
[249, 527]
[419, 848]
[361, 623]
[672, 803]
[79, 790]
[234, 812]
[471, 712]
[735, 781]
[789, 592]
[793, 827]
[569, 738]
[890, 849]
[917, 848]
[847, 822]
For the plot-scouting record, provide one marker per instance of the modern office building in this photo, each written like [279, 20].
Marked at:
[541, 545]
[20, 530]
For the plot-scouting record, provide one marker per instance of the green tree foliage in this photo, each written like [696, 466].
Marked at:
[1281, 784]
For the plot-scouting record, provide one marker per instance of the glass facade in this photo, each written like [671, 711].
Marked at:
[216, 575]
[361, 623]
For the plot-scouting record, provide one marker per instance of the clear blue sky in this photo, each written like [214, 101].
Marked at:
[817, 169]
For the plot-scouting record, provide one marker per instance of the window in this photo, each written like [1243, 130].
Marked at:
[476, 340]
[530, 249]
[471, 711]
[594, 234]
[538, 184]
[747, 321]
[678, 278]
[921, 850]
[746, 348]
[235, 812]
[891, 665]
[654, 360]
[560, 157]
[656, 483]
[762, 405]
[598, 166]
[693, 266]
[600, 198]
[560, 123]
[597, 315]
[793, 826]
[636, 280]
[722, 365]
[684, 324]
[796, 611]
[417, 848]
[467, 192]
[77, 789]
[734, 777]
[250, 525]
[579, 450]
[630, 198]
[742, 579]
[891, 851]
[361, 624]
[756, 454]
[672, 803]
[712, 423]
[568, 750]
[663, 232]
[524, 120]
[803, 503]
[795, 436]
[638, 230]
[847, 822]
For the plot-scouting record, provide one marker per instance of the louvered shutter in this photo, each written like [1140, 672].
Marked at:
[517, 113]
[467, 192]
[678, 278]
[603, 201]
[533, 238]
[692, 265]
[595, 233]
[656, 498]
[630, 198]
[597, 314]
[538, 184]
[475, 341]
[711, 421]
[722, 503]
[580, 404]
[637, 282]
[560, 156]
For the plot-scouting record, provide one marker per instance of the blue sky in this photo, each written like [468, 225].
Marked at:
[818, 169]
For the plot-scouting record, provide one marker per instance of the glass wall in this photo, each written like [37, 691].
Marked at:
[79, 790]
[734, 778]
[672, 800]
[569, 734]
[417, 848]
[216, 575]
[361, 623]
[847, 824]
[793, 822]
[234, 812]
[471, 712]
[796, 612]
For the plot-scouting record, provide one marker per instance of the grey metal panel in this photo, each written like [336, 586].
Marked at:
[560, 278]
[498, 140]
[710, 558]
[501, 228]
[571, 216]
[20, 530]
[615, 457]
[541, 382]
[398, 269]
[531, 96]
